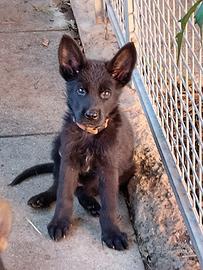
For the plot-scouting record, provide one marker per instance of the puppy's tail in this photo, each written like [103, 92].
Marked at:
[33, 171]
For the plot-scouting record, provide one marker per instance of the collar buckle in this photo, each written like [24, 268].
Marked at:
[91, 130]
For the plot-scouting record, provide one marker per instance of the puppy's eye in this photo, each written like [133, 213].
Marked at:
[105, 94]
[81, 91]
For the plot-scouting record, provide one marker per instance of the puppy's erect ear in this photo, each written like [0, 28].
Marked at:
[122, 64]
[71, 59]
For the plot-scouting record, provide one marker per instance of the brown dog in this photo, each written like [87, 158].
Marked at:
[5, 226]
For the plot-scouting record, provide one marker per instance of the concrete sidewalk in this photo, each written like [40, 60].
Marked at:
[31, 109]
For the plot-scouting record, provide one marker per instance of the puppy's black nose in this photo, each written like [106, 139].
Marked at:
[92, 114]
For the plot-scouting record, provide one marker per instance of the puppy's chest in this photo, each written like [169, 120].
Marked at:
[86, 160]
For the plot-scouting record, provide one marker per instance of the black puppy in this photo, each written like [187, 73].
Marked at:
[94, 152]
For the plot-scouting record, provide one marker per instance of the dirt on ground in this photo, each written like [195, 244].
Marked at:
[161, 234]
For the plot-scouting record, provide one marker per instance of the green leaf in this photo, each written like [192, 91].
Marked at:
[184, 20]
[179, 39]
[199, 17]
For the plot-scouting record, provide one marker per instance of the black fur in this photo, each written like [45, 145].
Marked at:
[88, 164]
[33, 171]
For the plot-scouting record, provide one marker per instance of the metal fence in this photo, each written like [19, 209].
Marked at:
[171, 94]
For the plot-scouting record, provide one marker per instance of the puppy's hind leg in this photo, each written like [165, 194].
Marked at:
[47, 197]
[85, 195]
[43, 199]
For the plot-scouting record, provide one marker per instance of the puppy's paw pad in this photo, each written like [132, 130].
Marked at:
[90, 204]
[94, 208]
[39, 201]
[116, 240]
[58, 229]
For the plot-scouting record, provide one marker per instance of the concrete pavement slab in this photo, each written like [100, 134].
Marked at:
[32, 99]
[82, 249]
[32, 15]
[97, 39]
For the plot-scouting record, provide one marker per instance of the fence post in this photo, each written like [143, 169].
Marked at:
[99, 11]
[133, 21]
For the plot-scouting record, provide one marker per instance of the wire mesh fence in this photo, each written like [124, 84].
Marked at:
[175, 91]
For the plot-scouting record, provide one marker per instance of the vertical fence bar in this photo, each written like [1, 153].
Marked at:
[126, 20]
[99, 11]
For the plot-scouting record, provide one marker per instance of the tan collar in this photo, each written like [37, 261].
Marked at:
[93, 130]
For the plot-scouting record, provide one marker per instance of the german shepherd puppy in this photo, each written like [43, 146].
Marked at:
[93, 153]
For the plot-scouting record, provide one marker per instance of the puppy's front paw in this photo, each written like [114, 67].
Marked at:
[58, 228]
[115, 239]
